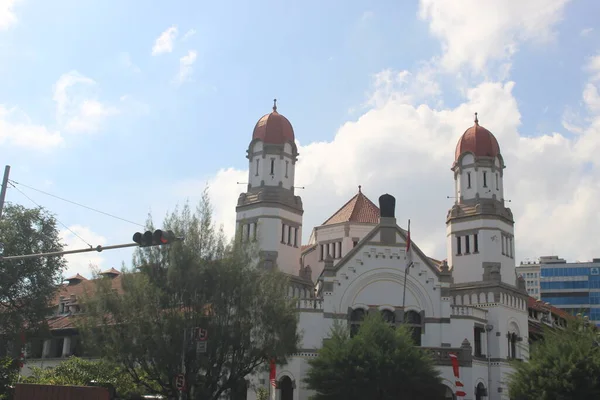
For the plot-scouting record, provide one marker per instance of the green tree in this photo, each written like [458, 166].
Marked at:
[79, 372]
[201, 282]
[379, 362]
[565, 364]
[27, 286]
[9, 372]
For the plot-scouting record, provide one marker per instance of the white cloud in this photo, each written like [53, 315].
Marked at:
[586, 31]
[76, 108]
[80, 262]
[593, 66]
[473, 32]
[7, 13]
[17, 129]
[404, 147]
[186, 64]
[188, 34]
[164, 43]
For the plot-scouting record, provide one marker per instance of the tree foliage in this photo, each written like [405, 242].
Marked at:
[79, 372]
[202, 282]
[565, 364]
[27, 286]
[377, 363]
[9, 372]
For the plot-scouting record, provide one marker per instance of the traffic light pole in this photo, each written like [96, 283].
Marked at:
[4, 186]
[159, 238]
[61, 253]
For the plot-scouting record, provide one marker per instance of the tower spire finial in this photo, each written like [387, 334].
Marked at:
[476, 119]
[359, 188]
[274, 104]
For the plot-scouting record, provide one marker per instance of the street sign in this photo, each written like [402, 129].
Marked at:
[180, 382]
[200, 334]
[201, 347]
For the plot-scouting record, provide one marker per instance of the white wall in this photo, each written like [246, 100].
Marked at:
[269, 234]
[263, 173]
[468, 267]
[494, 182]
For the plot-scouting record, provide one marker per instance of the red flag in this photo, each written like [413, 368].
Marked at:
[273, 373]
[408, 239]
[458, 383]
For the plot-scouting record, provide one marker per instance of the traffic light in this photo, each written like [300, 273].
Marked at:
[159, 237]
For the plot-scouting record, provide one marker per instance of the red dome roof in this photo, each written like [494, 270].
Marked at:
[274, 128]
[479, 141]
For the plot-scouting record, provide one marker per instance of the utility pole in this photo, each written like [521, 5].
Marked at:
[4, 186]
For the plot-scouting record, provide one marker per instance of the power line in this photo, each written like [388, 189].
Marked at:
[66, 227]
[77, 204]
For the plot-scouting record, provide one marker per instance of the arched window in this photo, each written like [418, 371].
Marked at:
[413, 320]
[356, 318]
[388, 316]
[512, 345]
[287, 388]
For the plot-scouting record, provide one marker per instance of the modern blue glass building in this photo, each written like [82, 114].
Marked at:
[573, 287]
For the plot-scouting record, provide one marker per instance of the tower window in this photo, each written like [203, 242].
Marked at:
[255, 226]
[467, 244]
[475, 243]
[484, 179]
[272, 166]
[257, 164]
[295, 237]
[458, 245]
[287, 163]
[496, 181]
[282, 233]
[468, 180]
[289, 241]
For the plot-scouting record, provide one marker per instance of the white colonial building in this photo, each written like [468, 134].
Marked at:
[471, 304]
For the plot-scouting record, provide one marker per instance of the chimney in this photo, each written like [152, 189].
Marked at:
[387, 219]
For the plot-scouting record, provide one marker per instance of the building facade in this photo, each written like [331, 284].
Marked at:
[472, 304]
[572, 287]
[530, 272]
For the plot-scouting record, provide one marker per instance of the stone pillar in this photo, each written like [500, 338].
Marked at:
[66, 350]
[46, 348]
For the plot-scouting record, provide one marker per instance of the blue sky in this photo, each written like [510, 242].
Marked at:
[89, 113]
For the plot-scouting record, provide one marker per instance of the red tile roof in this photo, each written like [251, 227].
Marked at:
[111, 271]
[80, 287]
[541, 306]
[305, 247]
[479, 141]
[358, 209]
[274, 128]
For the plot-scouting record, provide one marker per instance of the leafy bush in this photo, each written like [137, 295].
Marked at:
[79, 372]
[9, 372]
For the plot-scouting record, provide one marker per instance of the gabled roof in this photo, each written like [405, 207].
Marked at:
[403, 235]
[111, 271]
[358, 209]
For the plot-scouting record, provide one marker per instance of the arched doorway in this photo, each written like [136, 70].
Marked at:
[480, 391]
[448, 393]
[287, 388]
[239, 391]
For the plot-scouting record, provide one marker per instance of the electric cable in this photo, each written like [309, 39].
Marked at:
[75, 203]
[57, 220]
